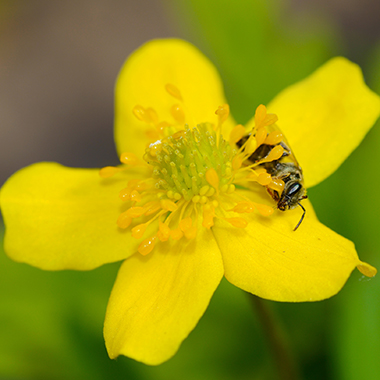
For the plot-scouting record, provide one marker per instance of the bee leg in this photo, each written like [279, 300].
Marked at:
[303, 215]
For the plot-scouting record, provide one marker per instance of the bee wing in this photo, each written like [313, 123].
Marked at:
[290, 157]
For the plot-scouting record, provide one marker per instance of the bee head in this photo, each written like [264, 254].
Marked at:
[291, 195]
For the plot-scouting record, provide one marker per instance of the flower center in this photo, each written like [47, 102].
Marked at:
[189, 165]
[188, 175]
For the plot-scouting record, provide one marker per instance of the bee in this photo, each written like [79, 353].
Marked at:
[287, 169]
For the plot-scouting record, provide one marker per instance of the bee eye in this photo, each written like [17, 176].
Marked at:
[294, 188]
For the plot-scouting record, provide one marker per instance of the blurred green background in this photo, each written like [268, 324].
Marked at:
[59, 61]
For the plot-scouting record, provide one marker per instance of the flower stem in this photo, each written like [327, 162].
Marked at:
[279, 344]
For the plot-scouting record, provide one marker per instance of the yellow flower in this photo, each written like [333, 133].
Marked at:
[186, 210]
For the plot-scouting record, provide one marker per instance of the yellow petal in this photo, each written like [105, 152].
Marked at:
[63, 218]
[326, 116]
[142, 82]
[269, 259]
[158, 299]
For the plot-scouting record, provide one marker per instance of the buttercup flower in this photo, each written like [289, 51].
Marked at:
[186, 207]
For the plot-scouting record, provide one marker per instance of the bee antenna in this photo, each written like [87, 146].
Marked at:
[303, 215]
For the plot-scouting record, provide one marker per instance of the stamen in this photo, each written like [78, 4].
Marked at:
[274, 138]
[129, 159]
[178, 114]
[109, 171]
[277, 184]
[124, 220]
[208, 216]
[139, 230]
[223, 113]
[260, 114]
[173, 91]
[236, 134]
[261, 135]
[147, 245]
[237, 222]
[212, 178]
[264, 210]
[275, 154]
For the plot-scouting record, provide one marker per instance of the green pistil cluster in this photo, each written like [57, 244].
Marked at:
[182, 160]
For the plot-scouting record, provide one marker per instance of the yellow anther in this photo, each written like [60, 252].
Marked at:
[203, 200]
[177, 196]
[261, 112]
[212, 178]
[139, 112]
[135, 212]
[135, 196]
[237, 222]
[274, 138]
[129, 159]
[154, 148]
[166, 204]
[173, 91]
[178, 113]
[366, 269]
[191, 233]
[237, 133]
[124, 220]
[223, 113]
[161, 126]
[125, 194]
[144, 185]
[196, 198]
[270, 119]
[204, 189]
[231, 188]
[243, 207]
[164, 228]
[164, 232]
[237, 162]
[208, 216]
[264, 179]
[147, 245]
[264, 210]
[152, 207]
[179, 134]
[277, 184]
[185, 224]
[261, 135]
[139, 230]
[109, 171]
[275, 154]
[151, 115]
[176, 234]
